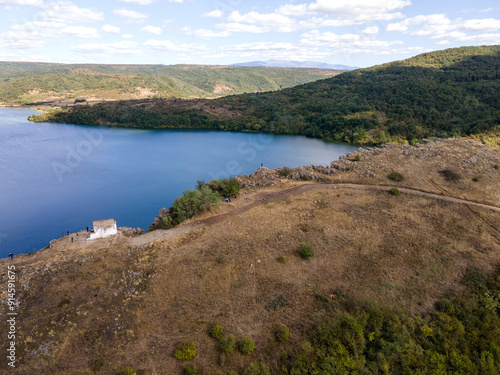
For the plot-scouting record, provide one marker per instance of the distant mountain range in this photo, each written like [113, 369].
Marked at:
[296, 64]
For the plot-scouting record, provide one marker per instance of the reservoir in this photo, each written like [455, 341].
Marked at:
[58, 177]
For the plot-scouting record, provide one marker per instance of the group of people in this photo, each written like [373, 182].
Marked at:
[227, 199]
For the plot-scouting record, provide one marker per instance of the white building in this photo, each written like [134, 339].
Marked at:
[103, 228]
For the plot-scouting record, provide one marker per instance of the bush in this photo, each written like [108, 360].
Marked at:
[129, 370]
[277, 303]
[475, 179]
[394, 191]
[285, 172]
[450, 175]
[185, 350]
[96, 366]
[227, 344]
[306, 251]
[225, 186]
[215, 330]
[282, 333]
[496, 166]
[246, 345]
[305, 177]
[193, 202]
[64, 302]
[282, 260]
[395, 176]
[257, 368]
[191, 369]
[357, 158]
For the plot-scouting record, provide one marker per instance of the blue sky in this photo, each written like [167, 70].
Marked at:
[352, 32]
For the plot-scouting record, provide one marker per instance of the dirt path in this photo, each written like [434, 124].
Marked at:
[279, 195]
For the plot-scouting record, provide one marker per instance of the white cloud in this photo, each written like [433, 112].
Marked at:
[34, 34]
[321, 13]
[353, 43]
[205, 33]
[80, 32]
[111, 29]
[488, 24]
[370, 30]
[127, 36]
[140, 2]
[235, 27]
[359, 11]
[349, 7]
[36, 3]
[67, 12]
[428, 25]
[117, 48]
[130, 14]
[445, 31]
[152, 30]
[168, 45]
[214, 13]
[278, 22]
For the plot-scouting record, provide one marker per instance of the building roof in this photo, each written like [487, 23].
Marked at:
[104, 223]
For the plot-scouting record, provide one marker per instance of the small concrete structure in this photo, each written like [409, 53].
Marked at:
[103, 228]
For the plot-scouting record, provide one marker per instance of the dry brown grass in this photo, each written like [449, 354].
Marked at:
[131, 304]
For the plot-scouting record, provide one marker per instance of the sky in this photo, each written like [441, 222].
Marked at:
[358, 33]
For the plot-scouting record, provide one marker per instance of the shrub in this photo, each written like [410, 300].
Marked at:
[129, 370]
[394, 191]
[227, 344]
[450, 175]
[357, 158]
[185, 350]
[305, 178]
[257, 368]
[306, 251]
[277, 303]
[496, 166]
[96, 366]
[395, 176]
[282, 260]
[193, 202]
[191, 369]
[475, 179]
[246, 345]
[285, 172]
[64, 302]
[225, 186]
[215, 330]
[222, 359]
[282, 333]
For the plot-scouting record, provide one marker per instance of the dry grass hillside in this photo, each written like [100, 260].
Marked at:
[97, 307]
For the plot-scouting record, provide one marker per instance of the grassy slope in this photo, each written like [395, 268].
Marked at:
[35, 82]
[444, 93]
[130, 304]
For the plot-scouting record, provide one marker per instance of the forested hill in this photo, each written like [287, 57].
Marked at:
[25, 83]
[445, 93]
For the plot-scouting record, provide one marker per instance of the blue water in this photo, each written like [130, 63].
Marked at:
[57, 177]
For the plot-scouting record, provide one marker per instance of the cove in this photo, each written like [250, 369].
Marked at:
[61, 177]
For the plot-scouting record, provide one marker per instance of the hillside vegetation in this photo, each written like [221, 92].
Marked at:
[292, 277]
[446, 93]
[29, 83]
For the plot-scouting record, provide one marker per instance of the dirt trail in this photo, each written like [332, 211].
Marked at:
[279, 195]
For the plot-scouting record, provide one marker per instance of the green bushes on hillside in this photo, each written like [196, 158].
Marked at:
[462, 336]
[441, 94]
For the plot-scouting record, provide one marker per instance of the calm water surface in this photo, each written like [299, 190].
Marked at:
[57, 177]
